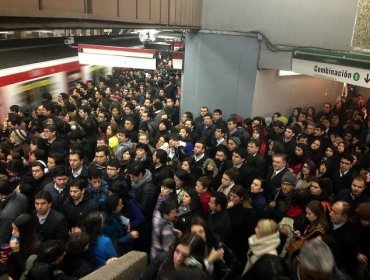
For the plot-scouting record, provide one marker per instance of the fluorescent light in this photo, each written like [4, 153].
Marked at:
[283, 73]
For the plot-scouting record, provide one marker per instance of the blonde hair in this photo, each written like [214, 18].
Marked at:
[266, 227]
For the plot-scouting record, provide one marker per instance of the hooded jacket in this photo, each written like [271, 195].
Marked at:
[145, 193]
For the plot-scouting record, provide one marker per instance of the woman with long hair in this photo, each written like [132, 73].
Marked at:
[182, 180]
[186, 143]
[188, 164]
[257, 134]
[24, 242]
[220, 260]
[321, 190]
[190, 248]
[310, 113]
[316, 223]
[101, 247]
[315, 151]
[116, 226]
[111, 134]
[296, 161]
[130, 209]
[325, 169]
[241, 219]
[294, 116]
[188, 209]
[307, 174]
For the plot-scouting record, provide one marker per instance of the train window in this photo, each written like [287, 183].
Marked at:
[72, 78]
[31, 92]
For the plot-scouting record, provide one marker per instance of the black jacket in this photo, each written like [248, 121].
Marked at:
[268, 267]
[76, 214]
[242, 226]
[273, 184]
[343, 243]
[161, 173]
[221, 225]
[54, 227]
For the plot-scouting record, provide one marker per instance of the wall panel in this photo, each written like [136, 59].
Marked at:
[172, 12]
[155, 10]
[143, 10]
[19, 5]
[178, 12]
[128, 9]
[104, 8]
[164, 11]
[77, 6]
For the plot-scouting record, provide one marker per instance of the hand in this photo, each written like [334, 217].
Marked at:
[134, 234]
[75, 229]
[230, 204]
[14, 245]
[18, 189]
[215, 255]
[272, 204]
[111, 260]
[362, 258]
[297, 233]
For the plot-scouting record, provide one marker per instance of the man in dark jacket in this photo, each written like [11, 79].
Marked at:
[219, 219]
[314, 261]
[57, 144]
[245, 172]
[58, 189]
[12, 204]
[145, 194]
[50, 223]
[275, 174]
[79, 204]
[355, 195]
[342, 176]
[342, 238]
[160, 170]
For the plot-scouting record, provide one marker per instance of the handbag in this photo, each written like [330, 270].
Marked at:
[297, 244]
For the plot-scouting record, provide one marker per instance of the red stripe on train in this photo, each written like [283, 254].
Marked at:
[38, 72]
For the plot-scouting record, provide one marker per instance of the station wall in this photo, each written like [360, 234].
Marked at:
[315, 23]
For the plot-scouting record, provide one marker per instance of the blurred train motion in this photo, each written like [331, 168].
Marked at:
[25, 84]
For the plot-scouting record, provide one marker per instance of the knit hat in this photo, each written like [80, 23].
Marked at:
[236, 140]
[290, 178]
[20, 133]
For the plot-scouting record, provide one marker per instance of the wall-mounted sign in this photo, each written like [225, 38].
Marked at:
[344, 74]
[340, 66]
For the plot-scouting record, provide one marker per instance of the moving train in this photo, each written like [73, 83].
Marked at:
[25, 84]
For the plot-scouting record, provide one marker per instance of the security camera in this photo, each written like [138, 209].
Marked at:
[69, 40]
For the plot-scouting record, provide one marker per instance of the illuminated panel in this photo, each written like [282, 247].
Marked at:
[117, 56]
[117, 61]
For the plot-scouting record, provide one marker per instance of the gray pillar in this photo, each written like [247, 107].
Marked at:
[219, 72]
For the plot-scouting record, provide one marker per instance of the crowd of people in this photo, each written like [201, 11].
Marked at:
[112, 167]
